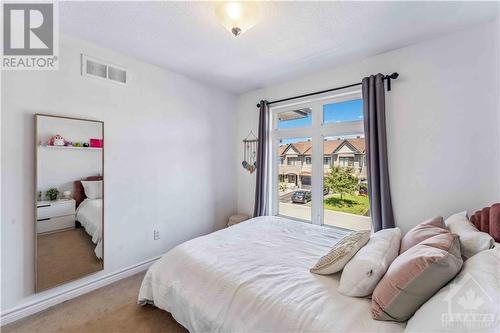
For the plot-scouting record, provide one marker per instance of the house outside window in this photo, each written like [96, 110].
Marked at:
[308, 160]
[327, 160]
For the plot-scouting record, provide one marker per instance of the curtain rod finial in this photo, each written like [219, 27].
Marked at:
[258, 105]
[394, 75]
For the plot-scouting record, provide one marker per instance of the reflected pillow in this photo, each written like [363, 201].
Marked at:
[422, 231]
[415, 276]
[362, 273]
[92, 188]
[335, 260]
[472, 241]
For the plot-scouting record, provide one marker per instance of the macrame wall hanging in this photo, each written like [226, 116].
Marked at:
[250, 152]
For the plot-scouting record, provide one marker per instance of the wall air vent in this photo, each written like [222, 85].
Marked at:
[99, 69]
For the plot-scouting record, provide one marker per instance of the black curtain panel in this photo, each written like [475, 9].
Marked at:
[262, 183]
[376, 152]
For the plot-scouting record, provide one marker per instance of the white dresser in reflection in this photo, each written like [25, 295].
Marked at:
[55, 215]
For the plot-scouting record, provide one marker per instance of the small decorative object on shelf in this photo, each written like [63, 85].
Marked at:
[52, 193]
[67, 194]
[85, 144]
[57, 140]
[77, 144]
[250, 152]
[96, 143]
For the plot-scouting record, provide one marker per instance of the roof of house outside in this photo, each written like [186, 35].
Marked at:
[330, 146]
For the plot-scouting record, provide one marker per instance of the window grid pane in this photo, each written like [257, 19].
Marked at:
[343, 111]
[295, 119]
[345, 203]
[294, 175]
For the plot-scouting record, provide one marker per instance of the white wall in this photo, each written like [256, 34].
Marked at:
[442, 122]
[168, 160]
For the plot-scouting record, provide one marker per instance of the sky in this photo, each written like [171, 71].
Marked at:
[332, 113]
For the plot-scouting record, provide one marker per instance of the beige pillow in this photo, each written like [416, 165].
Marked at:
[341, 253]
[415, 276]
[472, 241]
[422, 231]
[362, 273]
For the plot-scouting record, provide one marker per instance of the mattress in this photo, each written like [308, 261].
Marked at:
[89, 214]
[254, 277]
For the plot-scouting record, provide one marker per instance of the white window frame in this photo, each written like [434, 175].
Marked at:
[317, 132]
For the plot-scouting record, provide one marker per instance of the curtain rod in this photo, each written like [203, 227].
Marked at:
[392, 76]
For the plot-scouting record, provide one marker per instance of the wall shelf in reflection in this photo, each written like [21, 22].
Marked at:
[70, 147]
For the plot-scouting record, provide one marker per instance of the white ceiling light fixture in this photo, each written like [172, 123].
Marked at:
[237, 16]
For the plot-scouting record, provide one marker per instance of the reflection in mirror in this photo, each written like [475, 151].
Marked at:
[69, 199]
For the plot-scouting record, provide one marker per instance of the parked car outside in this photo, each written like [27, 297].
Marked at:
[301, 197]
[363, 188]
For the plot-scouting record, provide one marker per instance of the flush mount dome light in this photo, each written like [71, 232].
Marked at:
[237, 17]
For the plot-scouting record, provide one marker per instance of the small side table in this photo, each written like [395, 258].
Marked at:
[235, 219]
[55, 215]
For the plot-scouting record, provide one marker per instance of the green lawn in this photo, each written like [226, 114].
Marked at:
[353, 204]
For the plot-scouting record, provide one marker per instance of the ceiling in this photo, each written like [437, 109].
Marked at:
[291, 39]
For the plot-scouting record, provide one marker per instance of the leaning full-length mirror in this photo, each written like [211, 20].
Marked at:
[69, 199]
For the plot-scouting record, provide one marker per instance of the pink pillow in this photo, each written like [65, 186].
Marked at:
[415, 276]
[422, 231]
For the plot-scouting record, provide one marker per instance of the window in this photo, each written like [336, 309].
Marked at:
[319, 174]
[346, 161]
[292, 160]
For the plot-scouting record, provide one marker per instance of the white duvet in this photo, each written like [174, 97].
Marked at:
[254, 277]
[89, 214]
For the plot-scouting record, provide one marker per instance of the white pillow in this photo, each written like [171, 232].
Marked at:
[362, 274]
[472, 241]
[92, 188]
[469, 303]
[341, 253]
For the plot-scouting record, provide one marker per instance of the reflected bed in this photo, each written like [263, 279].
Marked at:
[89, 214]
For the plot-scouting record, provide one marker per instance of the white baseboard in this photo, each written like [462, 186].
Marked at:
[38, 305]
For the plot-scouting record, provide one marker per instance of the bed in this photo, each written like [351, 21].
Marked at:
[89, 214]
[255, 277]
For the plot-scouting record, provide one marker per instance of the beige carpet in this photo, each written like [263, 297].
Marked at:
[64, 256]
[110, 309]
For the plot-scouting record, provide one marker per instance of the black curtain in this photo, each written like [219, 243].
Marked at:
[376, 152]
[262, 183]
